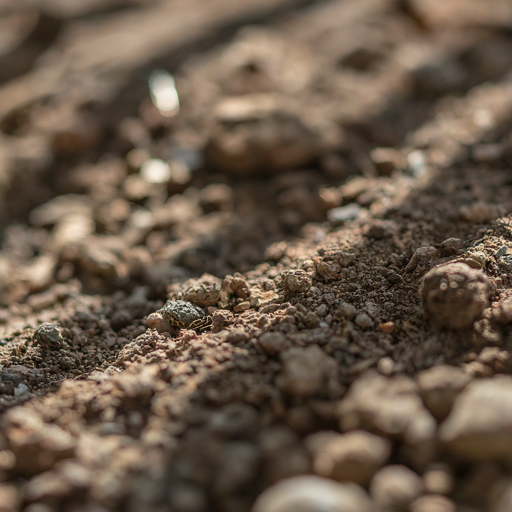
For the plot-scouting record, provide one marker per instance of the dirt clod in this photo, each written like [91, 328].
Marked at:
[454, 295]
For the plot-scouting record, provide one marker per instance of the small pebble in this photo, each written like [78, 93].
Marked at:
[363, 321]
[338, 216]
[387, 327]
[395, 487]
[312, 494]
[243, 306]
[48, 335]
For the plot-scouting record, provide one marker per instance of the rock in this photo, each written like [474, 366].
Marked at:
[273, 343]
[479, 426]
[502, 311]
[179, 313]
[295, 282]
[243, 306]
[345, 310]
[351, 457]
[387, 160]
[306, 371]
[480, 212]
[203, 292]
[338, 216]
[433, 503]
[158, 322]
[380, 229]
[395, 487]
[440, 386]
[451, 246]
[216, 197]
[38, 446]
[9, 498]
[438, 479]
[454, 295]
[421, 257]
[254, 133]
[388, 406]
[329, 270]
[364, 321]
[48, 336]
[329, 198]
[312, 494]
[221, 318]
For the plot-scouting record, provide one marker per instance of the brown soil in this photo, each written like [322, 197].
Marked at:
[326, 156]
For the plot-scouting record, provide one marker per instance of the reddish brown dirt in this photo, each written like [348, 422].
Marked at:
[326, 156]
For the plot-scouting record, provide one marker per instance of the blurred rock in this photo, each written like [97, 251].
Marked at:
[351, 457]
[306, 371]
[254, 133]
[389, 406]
[454, 295]
[433, 503]
[395, 487]
[38, 446]
[440, 386]
[480, 424]
[312, 494]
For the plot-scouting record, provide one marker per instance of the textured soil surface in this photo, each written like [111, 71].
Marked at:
[292, 290]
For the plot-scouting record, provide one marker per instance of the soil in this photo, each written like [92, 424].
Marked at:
[327, 209]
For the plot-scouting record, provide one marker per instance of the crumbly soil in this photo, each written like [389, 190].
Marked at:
[326, 156]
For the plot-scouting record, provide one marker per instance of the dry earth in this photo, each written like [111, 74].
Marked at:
[332, 201]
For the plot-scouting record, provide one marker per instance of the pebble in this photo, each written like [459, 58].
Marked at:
[479, 426]
[305, 370]
[387, 160]
[268, 136]
[155, 171]
[480, 212]
[338, 216]
[433, 503]
[21, 389]
[329, 270]
[345, 310]
[438, 479]
[48, 335]
[390, 406]
[243, 306]
[395, 487]
[216, 197]
[312, 494]
[273, 343]
[440, 386]
[351, 457]
[454, 295]
[387, 327]
[364, 321]
[380, 229]
[295, 282]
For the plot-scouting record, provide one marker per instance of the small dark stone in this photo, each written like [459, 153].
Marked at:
[48, 335]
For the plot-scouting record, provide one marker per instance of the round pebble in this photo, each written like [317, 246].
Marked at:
[312, 494]
[454, 295]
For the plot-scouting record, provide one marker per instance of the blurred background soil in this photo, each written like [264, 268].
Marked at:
[294, 168]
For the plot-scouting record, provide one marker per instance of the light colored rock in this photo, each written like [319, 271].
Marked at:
[480, 424]
[389, 406]
[312, 494]
[395, 487]
[440, 386]
[351, 457]
[306, 371]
